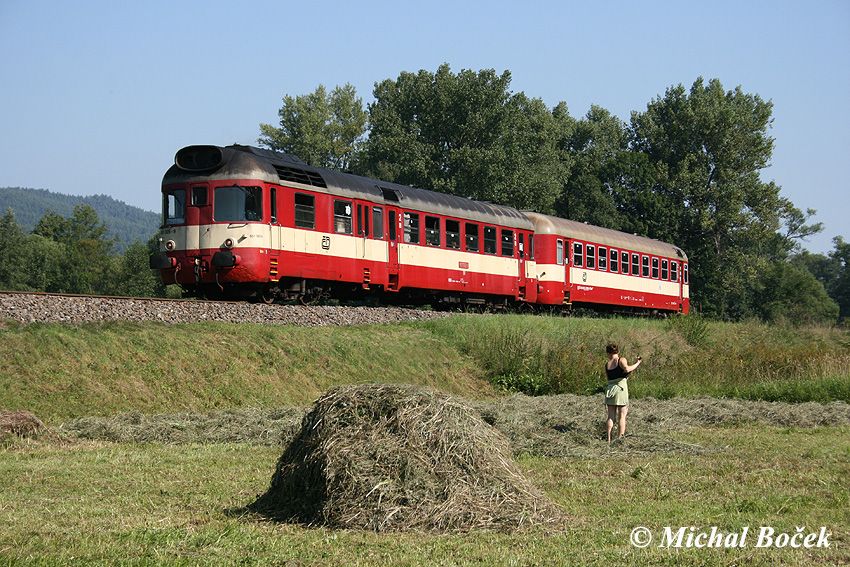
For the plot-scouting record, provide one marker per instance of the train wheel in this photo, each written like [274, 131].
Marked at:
[268, 295]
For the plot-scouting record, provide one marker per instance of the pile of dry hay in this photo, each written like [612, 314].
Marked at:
[390, 458]
[19, 423]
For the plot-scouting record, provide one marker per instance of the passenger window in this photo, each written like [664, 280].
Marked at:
[453, 234]
[471, 237]
[655, 268]
[411, 228]
[674, 271]
[591, 256]
[507, 242]
[635, 266]
[613, 260]
[624, 263]
[342, 217]
[432, 231]
[559, 252]
[378, 223]
[305, 211]
[645, 266]
[489, 240]
[578, 258]
[664, 273]
[603, 258]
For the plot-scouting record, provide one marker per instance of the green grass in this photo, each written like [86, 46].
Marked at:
[150, 504]
[685, 357]
[61, 371]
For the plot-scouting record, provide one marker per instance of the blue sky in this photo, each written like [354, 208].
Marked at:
[96, 97]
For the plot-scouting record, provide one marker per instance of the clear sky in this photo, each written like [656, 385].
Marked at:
[97, 96]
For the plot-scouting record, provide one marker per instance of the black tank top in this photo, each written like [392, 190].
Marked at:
[615, 373]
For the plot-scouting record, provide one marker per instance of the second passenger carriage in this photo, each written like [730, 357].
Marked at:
[242, 221]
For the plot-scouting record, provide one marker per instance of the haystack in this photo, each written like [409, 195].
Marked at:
[391, 458]
[19, 423]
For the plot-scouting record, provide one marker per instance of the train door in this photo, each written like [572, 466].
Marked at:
[274, 233]
[200, 217]
[274, 225]
[362, 230]
[393, 230]
[522, 275]
[680, 277]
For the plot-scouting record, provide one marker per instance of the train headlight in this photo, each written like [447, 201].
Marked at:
[170, 245]
[228, 243]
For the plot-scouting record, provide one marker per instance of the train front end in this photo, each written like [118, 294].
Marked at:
[214, 239]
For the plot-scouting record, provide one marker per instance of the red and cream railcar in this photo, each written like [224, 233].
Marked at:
[579, 263]
[239, 221]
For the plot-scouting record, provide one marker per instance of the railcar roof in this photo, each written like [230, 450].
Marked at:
[275, 167]
[545, 224]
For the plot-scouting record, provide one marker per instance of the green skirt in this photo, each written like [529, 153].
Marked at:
[617, 392]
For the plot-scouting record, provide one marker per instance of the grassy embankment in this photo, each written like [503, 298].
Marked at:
[60, 371]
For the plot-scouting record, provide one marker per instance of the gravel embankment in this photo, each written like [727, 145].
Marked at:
[25, 308]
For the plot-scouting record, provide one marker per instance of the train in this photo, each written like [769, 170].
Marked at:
[243, 222]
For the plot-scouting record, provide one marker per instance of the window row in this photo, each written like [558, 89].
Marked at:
[471, 237]
[628, 263]
[370, 220]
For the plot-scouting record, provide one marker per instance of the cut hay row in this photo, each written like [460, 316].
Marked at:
[545, 425]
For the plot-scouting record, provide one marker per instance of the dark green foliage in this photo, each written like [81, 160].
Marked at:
[125, 224]
[325, 130]
[788, 292]
[468, 135]
[72, 255]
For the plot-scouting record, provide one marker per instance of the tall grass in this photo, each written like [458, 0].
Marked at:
[687, 356]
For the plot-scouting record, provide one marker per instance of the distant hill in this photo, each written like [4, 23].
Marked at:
[126, 223]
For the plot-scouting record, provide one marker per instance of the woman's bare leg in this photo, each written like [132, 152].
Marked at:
[622, 411]
[612, 414]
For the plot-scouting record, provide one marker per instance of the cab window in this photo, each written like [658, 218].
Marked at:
[238, 204]
[174, 206]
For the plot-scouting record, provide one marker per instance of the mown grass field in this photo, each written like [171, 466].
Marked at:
[150, 504]
[66, 500]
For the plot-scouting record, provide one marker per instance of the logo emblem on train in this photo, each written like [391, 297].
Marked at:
[244, 222]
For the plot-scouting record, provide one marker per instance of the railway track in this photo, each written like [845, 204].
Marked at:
[38, 307]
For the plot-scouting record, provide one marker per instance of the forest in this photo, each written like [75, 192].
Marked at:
[685, 170]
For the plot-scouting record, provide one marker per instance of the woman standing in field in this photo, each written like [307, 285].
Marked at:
[617, 390]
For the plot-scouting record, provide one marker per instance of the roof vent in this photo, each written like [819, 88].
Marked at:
[297, 175]
[390, 194]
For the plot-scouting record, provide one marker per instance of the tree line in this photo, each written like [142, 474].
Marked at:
[73, 255]
[685, 170]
